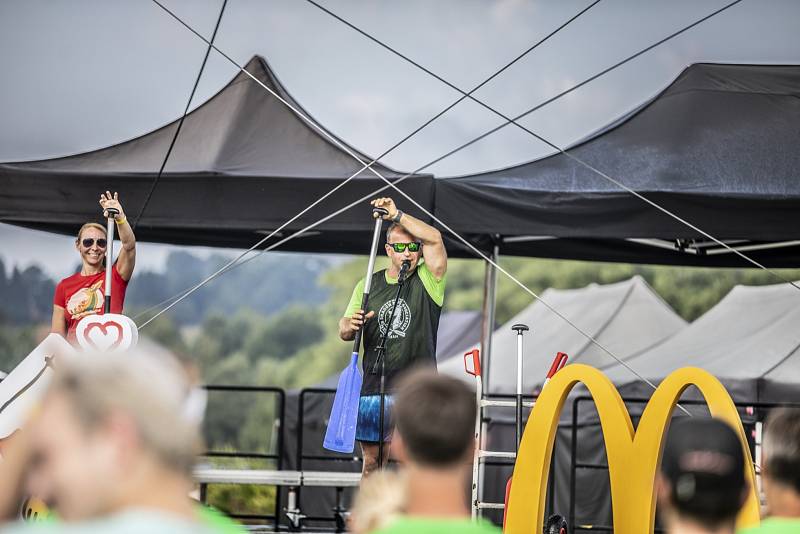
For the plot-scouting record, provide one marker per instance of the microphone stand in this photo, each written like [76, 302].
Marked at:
[381, 358]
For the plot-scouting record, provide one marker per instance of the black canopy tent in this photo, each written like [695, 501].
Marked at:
[242, 165]
[718, 147]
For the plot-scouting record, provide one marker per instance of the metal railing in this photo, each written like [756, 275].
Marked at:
[338, 511]
[276, 457]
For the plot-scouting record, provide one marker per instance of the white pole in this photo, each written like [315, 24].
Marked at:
[109, 258]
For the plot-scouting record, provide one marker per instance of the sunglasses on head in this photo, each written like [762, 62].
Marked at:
[401, 247]
[89, 241]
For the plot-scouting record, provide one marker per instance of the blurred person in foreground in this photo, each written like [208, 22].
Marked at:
[702, 485]
[380, 500]
[434, 439]
[780, 473]
[110, 450]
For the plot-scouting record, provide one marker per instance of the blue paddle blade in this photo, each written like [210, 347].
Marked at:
[341, 433]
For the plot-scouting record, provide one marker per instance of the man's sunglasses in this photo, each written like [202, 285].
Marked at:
[88, 242]
[401, 247]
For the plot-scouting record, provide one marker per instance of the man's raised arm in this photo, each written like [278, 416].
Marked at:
[432, 244]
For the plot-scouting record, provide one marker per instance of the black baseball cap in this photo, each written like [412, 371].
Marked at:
[703, 461]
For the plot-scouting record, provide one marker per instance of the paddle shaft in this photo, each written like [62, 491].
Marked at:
[109, 256]
[376, 235]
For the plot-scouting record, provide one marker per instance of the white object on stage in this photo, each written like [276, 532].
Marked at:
[330, 479]
[205, 475]
[25, 384]
[107, 332]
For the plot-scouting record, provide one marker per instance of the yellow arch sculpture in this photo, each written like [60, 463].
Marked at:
[633, 458]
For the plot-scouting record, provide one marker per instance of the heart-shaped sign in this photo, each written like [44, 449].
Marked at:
[109, 332]
[103, 336]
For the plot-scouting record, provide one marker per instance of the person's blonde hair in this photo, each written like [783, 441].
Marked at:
[150, 390]
[90, 225]
[380, 500]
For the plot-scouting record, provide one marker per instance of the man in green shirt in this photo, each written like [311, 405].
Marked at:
[780, 473]
[435, 440]
[411, 337]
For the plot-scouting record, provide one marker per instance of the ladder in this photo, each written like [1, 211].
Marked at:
[472, 365]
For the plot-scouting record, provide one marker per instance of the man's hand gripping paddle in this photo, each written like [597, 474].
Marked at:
[341, 433]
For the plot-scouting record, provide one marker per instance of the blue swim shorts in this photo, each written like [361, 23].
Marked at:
[368, 426]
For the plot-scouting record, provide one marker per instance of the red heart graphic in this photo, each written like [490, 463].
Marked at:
[104, 330]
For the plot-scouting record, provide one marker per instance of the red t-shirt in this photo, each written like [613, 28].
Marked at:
[84, 295]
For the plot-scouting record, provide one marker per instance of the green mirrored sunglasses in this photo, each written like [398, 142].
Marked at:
[401, 247]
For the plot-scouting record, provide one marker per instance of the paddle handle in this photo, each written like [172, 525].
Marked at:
[109, 256]
[376, 236]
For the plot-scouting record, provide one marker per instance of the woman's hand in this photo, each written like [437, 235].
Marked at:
[127, 255]
[108, 201]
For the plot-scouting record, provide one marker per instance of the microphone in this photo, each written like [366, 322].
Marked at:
[406, 265]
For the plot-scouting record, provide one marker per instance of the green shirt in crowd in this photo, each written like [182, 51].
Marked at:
[775, 525]
[133, 521]
[429, 525]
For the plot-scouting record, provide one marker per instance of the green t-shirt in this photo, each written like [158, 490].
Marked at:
[210, 521]
[775, 525]
[434, 287]
[411, 331]
[132, 521]
[219, 522]
[430, 525]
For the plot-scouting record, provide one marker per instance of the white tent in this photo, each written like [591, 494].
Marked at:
[750, 340]
[626, 317]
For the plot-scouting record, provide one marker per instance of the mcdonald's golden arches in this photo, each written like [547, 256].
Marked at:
[633, 457]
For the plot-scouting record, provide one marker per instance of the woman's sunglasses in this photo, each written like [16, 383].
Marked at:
[401, 247]
[88, 242]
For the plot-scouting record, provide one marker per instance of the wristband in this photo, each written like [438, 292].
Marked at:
[122, 221]
[396, 218]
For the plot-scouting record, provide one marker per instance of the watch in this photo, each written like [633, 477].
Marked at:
[396, 218]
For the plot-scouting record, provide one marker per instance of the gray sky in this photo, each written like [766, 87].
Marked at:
[80, 75]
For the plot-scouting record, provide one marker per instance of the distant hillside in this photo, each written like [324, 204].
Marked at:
[26, 296]
[267, 285]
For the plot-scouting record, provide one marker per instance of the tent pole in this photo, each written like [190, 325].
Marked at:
[489, 302]
[487, 329]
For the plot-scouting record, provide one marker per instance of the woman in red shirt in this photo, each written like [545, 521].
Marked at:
[82, 293]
